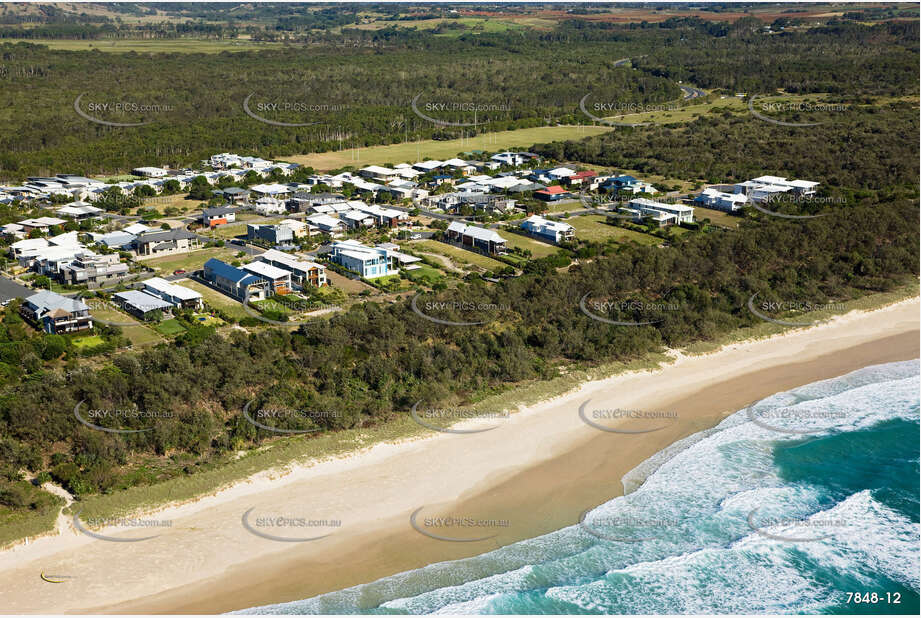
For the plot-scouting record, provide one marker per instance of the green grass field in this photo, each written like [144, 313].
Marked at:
[410, 152]
[593, 227]
[461, 257]
[186, 46]
[139, 334]
[216, 299]
[170, 327]
[193, 260]
[717, 217]
[88, 342]
[426, 275]
[538, 249]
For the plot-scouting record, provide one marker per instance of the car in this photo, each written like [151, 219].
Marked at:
[415, 237]
[237, 241]
[179, 271]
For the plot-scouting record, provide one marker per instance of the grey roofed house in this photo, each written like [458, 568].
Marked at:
[56, 313]
[150, 243]
[139, 304]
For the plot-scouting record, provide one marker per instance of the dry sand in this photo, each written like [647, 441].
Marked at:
[537, 471]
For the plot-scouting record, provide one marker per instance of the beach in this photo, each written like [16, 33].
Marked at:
[536, 471]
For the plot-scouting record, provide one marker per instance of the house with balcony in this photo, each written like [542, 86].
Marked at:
[303, 273]
[548, 230]
[176, 295]
[481, 239]
[56, 314]
[235, 282]
[368, 262]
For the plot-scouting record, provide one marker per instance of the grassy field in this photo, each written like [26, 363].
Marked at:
[411, 152]
[170, 327]
[426, 275]
[151, 46]
[216, 299]
[593, 227]
[461, 257]
[538, 249]
[717, 217]
[346, 284]
[88, 342]
[139, 334]
[190, 261]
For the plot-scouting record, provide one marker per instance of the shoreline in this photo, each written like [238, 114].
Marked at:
[539, 471]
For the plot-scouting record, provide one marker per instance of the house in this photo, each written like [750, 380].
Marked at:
[368, 262]
[398, 259]
[177, 295]
[270, 190]
[560, 173]
[94, 271]
[427, 166]
[626, 184]
[141, 304]
[798, 187]
[326, 224]
[136, 228]
[119, 239]
[718, 200]
[269, 206]
[553, 231]
[513, 159]
[279, 279]
[56, 314]
[553, 193]
[273, 234]
[42, 224]
[378, 173]
[220, 215]
[302, 273]
[579, 179]
[150, 172]
[235, 282]
[298, 228]
[233, 195]
[14, 230]
[383, 217]
[663, 214]
[166, 242]
[355, 219]
[487, 241]
[79, 211]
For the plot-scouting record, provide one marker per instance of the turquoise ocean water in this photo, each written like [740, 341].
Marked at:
[782, 508]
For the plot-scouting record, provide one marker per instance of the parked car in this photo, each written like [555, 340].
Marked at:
[415, 237]
[179, 271]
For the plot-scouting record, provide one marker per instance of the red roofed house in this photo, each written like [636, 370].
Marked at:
[552, 194]
[586, 177]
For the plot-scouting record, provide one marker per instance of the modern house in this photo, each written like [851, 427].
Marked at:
[302, 273]
[94, 271]
[356, 219]
[269, 206]
[545, 229]
[220, 215]
[141, 304]
[368, 262]
[273, 234]
[326, 224]
[552, 194]
[487, 241]
[177, 295]
[270, 190]
[766, 188]
[150, 172]
[718, 200]
[664, 214]
[56, 314]
[279, 279]
[166, 242]
[79, 211]
[626, 184]
[235, 282]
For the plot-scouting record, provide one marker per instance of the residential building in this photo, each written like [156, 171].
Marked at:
[235, 282]
[56, 314]
[94, 271]
[302, 272]
[177, 295]
[368, 262]
[279, 279]
[326, 224]
[79, 211]
[487, 241]
[269, 206]
[663, 214]
[150, 172]
[356, 219]
[553, 193]
[274, 234]
[166, 242]
[141, 304]
[270, 190]
[220, 215]
[718, 200]
[545, 229]
[42, 224]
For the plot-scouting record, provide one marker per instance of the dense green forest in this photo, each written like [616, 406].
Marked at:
[361, 95]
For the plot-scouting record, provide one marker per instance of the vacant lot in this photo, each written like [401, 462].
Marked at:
[717, 217]
[593, 227]
[350, 286]
[139, 334]
[461, 257]
[216, 299]
[538, 248]
[416, 151]
[190, 261]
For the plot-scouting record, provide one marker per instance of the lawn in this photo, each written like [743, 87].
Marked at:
[426, 275]
[191, 261]
[170, 327]
[216, 299]
[461, 257]
[207, 320]
[88, 341]
[415, 151]
[593, 227]
[538, 249]
[152, 46]
[717, 217]
[139, 334]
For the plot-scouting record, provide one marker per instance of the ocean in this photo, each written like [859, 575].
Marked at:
[805, 503]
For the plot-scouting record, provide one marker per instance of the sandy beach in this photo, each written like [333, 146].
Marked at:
[537, 471]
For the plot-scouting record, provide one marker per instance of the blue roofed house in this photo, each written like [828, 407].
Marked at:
[235, 282]
[56, 314]
[626, 184]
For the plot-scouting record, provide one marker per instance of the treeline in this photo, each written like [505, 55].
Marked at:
[376, 360]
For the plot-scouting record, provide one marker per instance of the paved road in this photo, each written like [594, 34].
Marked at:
[10, 289]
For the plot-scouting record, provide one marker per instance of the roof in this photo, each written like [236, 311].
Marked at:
[646, 203]
[585, 174]
[142, 300]
[288, 261]
[231, 273]
[217, 211]
[47, 301]
[475, 232]
[162, 285]
[538, 221]
[271, 189]
[554, 190]
[164, 235]
[266, 270]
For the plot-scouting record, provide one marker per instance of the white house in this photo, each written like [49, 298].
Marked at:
[545, 229]
[718, 200]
